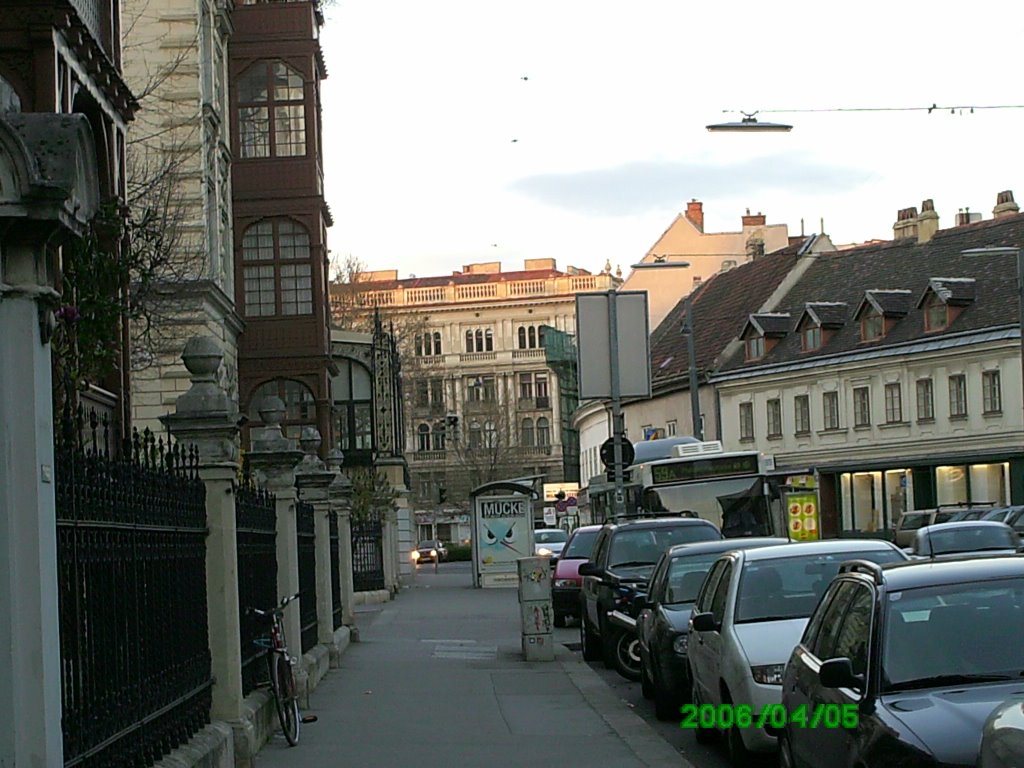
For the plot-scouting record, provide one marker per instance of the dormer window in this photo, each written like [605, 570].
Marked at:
[810, 338]
[755, 348]
[936, 315]
[943, 301]
[872, 326]
[762, 332]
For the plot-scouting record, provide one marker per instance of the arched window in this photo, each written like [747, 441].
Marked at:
[540, 336]
[469, 341]
[522, 337]
[526, 432]
[270, 93]
[490, 435]
[277, 273]
[479, 340]
[543, 432]
[352, 393]
[299, 404]
[437, 342]
[489, 340]
[422, 438]
[533, 337]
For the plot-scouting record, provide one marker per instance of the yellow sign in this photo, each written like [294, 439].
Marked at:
[803, 516]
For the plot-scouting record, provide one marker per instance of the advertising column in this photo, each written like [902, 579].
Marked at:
[502, 533]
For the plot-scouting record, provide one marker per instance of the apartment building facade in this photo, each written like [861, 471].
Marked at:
[481, 400]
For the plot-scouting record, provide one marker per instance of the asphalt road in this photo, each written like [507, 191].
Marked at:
[683, 741]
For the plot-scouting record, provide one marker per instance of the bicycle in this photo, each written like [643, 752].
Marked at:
[279, 667]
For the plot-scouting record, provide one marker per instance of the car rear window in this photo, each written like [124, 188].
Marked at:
[646, 545]
[547, 537]
[911, 522]
[969, 538]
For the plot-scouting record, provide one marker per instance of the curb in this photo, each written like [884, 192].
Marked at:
[649, 747]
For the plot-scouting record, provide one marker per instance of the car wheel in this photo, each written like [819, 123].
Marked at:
[627, 656]
[559, 619]
[785, 751]
[588, 642]
[739, 755]
[703, 735]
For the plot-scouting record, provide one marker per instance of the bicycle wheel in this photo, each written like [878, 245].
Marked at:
[287, 701]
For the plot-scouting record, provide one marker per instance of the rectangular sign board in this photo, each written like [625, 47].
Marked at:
[594, 347]
[502, 533]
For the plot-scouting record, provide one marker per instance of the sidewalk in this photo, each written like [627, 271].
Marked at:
[437, 679]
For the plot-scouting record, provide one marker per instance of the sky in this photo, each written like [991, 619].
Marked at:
[460, 131]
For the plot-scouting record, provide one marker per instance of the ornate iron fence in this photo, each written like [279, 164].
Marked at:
[256, 541]
[307, 572]
[131, 559]
[335, 572]
[368, 552]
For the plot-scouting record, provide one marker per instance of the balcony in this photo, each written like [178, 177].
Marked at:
[424, 456]
[535, 450]
[527, 354]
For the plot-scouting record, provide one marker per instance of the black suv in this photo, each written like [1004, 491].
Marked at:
[900, 664]
[624, 557]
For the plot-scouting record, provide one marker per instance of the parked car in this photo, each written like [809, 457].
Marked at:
[961, 538]
[750, 613]
[663, 623]
[910, 522]
[1002, 736]
[565, 589]
[624, 556]
[548, 542]
[430, 550]
[921, 653]
[1012, 516]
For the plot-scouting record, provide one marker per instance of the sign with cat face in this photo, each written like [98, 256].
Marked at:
[503, 532]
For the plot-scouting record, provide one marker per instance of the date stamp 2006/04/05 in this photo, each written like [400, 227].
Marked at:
[725, 716]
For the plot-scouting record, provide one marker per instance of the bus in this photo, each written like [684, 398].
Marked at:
[736, 490]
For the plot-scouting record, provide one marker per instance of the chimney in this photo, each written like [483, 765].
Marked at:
[927, 222]
[695, 213]
[965, 217]
[906, 224]
[753, 221]
[1005, 205]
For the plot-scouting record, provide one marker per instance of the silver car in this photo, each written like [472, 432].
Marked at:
[750, 613]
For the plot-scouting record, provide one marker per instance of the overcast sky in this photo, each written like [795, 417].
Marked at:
[438, 153]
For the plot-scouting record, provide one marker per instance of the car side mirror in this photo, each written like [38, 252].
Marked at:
[705, 622]
[838, 673]
[591, 569]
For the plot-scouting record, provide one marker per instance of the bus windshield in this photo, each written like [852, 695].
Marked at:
[736, 505]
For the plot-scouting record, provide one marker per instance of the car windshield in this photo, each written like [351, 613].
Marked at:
[985, 618]
[427, 544]
[550, 537]
[644, 546]
[969, 538]
[685, 576]
[581, 546]
[790, 587]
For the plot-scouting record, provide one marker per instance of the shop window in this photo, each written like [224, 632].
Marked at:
[862, 498]
[951, 485]
[989, 483]
[925, 400]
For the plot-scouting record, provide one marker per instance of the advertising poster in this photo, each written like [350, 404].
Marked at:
[503, 534]
[802, 514]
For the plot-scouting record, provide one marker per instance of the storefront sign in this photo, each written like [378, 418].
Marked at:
[802, 514]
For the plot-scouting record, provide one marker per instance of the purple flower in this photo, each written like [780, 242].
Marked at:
[69, 314]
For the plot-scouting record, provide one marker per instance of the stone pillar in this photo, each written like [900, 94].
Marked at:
[274, 457]
[30, 675]
[394, 471]
[314, 480]
[207, 418]
[341, 500]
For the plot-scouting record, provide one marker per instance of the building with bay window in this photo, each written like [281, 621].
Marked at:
[893, 370]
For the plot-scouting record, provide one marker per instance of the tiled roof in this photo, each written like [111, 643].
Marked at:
[771, 324]
[956, 291]
[889, 302]
[719, 307]
[904, 264]
[827, 314]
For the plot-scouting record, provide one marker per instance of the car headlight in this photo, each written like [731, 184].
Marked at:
[415, 555]
[433, 553]
[679, 645]
[544, 552]
[565, 583]
[769, 674]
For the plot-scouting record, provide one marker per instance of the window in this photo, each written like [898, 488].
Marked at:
[958, 396]
[423, 437]
[810, 338]
[861, 407]
[352, 392]
[299, 404]
[830, 410]
[271, 111]
[283, 247]
[526, 386]
[925, 400]
[422, 393]
[428, 344]
[893, 403]
[670, 428]
[543, 432]
[541, 382]
[872, 326]
[439, 436]
[475, 436]
[991, 393]
[746, 421]
[774, 410]
[936, 314]
[855, 633]
[437, 392]
[481, 389]
[721, 591]
[490, 435]
[479, 340]
[825, 624]
[522, 337]
[802, 414]
[531, 332]
[526, 432]
[755, 348]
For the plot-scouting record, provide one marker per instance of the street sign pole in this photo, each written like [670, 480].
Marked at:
[619, 505]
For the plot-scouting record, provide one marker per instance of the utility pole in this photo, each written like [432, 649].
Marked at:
[698, 429]
[618, 427]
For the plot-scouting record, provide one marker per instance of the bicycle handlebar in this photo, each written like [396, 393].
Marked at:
[276, 609]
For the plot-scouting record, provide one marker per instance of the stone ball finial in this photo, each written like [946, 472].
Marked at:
[335, 458]
[310, 440]
[271, 409]
[202, 357]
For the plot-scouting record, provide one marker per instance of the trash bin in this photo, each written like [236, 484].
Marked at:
[535, 608]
